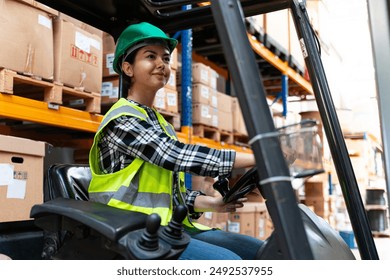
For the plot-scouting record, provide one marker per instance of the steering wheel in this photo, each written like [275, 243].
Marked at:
[245, 184]
[250, 181]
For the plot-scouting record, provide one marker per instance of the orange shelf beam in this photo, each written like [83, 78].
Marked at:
[20, 108]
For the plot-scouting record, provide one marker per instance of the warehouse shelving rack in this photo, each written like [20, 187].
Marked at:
[40, 112]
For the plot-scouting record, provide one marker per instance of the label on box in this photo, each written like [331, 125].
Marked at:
[109, 61]
[214, 120]
[204, 92]
[17, 189]
[171, 99]
[6, 174]
[42, 20]
[234, 227]
[204, 75]
[82, 42]
[214, 101]
[159, 100]
[106, 89]
[204, 112]
[172, 80]
[85, 43]
[208, 215]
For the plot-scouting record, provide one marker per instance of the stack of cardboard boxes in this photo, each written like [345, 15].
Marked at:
[50, 46]
[21, 177]
[211, 106]
[53, 49]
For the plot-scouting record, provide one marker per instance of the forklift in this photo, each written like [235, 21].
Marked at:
[96, 231]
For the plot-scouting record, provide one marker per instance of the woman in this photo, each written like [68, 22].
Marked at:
[138, 164]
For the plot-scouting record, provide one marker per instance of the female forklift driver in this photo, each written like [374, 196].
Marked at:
[138, 164]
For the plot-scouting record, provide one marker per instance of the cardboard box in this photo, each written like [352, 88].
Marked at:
[200, 74]
[317, 189]
[238, 119]
[78, 57]
[108, 55]
[167, 100]
[225, 102]
[21, 177]
[174, 60]
[171, 84]
[244, 219]
[213, 78]
[202, 114]
[110, 90]
[171, 99]
[264, 225]
[26, 38]
[203, 94]
[84, 26]
[225, 121]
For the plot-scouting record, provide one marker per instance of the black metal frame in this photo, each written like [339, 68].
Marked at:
[113, 16]
[379, 16]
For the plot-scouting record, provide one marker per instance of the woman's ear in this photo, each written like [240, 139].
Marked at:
[127, 68]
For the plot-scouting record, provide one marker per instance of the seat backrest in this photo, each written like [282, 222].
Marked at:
[68, 181]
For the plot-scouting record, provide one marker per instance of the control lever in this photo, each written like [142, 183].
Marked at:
[144, 244]
[149, 239]
[173, 232]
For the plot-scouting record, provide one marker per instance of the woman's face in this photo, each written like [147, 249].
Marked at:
[151, 68]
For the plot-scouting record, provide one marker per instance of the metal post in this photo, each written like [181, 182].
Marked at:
[284, 94]
[346, 175]
[272, 168]
[186, 87]
[379, 18]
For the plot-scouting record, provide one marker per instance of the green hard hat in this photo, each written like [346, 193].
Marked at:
[134, 35]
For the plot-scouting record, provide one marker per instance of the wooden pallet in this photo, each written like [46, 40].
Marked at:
[240, 140]
[208, 132]
[379, 234]
[53, 93]
[213, 133]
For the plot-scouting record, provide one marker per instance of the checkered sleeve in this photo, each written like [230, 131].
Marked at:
[130, 138]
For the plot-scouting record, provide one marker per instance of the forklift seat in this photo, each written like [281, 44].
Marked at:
[67, 181]
[77, 228]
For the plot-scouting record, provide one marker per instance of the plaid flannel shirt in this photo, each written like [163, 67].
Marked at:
[126, 138]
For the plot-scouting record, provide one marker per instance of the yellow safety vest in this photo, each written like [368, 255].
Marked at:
[141, 186]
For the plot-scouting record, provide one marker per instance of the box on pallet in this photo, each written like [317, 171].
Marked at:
[21, 177]
[110, 90]
[238, 119]
[204, 114]
[202, 94]
[108, 55]
[200, 74]
[26, 38]
[252, 220]
[166, 99]
[78, 55]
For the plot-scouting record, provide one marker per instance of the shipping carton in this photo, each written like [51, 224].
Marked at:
[78, 57]
[21, 177]
[26, 38]
[253, 220]
[108, 55]
[238, 119]
[110, 90]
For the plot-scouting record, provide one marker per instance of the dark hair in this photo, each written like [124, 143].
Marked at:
[126, 79]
